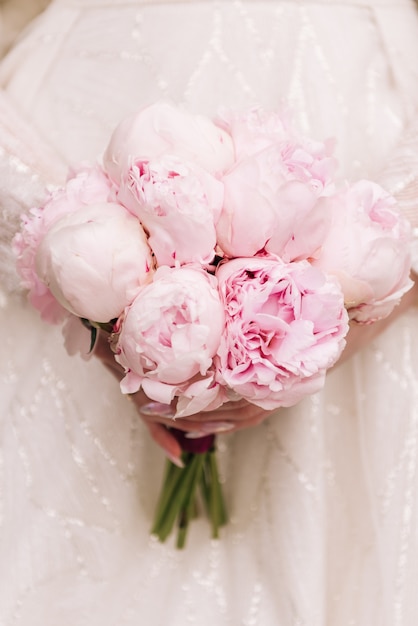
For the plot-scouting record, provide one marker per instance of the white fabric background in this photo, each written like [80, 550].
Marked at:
[322, 497]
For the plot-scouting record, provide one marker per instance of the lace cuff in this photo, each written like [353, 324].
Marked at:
[400, 178]
[27, 166]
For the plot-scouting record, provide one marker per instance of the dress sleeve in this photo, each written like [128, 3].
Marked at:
[27, 166]
[400, 178]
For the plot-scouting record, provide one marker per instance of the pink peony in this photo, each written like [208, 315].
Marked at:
[169, 336]
[255, 129]
[271, 204]
[162, 128]
[85, 186]
[178, 204]
[367, 248]
[95, 260]
[285, 326]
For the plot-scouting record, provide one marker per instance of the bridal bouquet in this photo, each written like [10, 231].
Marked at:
[224, 260]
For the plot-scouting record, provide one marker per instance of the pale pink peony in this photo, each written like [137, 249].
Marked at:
[285, 326]
[367, 248]
[271, 204]
[163, 128]
[255, 129]
[95, 260]
[85, 185]
[178, 204]
[271, 194]
[168, 337]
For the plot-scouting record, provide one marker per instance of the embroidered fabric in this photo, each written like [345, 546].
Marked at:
[322, 497]
[400, 178]
[364, 3]
[27, 166]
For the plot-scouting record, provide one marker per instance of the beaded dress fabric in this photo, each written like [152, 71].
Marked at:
[323, 497]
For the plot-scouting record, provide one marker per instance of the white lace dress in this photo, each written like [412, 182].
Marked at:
[323, 498]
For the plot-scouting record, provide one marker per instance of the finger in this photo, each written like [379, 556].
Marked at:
[115, 371]
[103, 351]
[198, 426]
[167, 442]
[227, 418]
[242, 411]
[232, 406]
[205, 423]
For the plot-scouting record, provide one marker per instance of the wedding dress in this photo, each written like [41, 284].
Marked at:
[323, 497]
[14, 15]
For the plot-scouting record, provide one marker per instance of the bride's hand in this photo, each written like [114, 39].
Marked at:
[360, 335]
[227, 418]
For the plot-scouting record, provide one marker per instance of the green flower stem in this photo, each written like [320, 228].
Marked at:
[170, 502]
[177, 492]
[178, 498]
[167, 500]
[188, 505]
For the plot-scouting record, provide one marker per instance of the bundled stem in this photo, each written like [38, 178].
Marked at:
[178, 502]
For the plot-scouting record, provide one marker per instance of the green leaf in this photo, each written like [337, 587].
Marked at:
[93, 337]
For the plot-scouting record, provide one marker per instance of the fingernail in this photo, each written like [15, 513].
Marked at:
[210, 428]
[175, 459]
[157, 408]
[195, 434]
